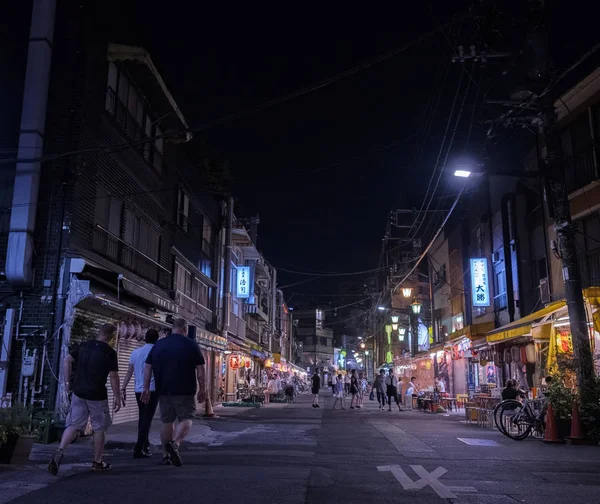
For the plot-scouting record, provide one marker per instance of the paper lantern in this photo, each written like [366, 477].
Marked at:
[524, 358]
[516, 354]
[248, 363]
[122, 332]
[530, 349]
[137, 331]
[234, 361]
[130, 330]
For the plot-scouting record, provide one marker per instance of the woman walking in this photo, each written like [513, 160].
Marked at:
[316, 386]
[353, 389]
[362, 388]
[392, 390]
[379, 388]
[339, 391]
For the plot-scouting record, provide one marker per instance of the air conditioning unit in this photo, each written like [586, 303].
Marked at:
[544, 291]
[496, 257]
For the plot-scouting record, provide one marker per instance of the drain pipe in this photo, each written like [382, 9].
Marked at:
[227, 268]
[19, 256]
[506, 239]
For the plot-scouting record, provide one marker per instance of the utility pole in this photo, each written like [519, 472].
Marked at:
[565, 232]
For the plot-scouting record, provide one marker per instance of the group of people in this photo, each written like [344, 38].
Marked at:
[168, 372]
[389, 388]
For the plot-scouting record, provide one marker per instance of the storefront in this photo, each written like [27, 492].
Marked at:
[520, 350]
[237, 366]
[421, 367]
[465, 365]
[213, 347]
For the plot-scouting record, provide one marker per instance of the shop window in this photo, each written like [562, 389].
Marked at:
[457, 323]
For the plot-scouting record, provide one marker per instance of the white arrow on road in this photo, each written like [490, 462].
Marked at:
[426, 478]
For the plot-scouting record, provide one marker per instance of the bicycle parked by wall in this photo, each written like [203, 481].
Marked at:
[518, 420]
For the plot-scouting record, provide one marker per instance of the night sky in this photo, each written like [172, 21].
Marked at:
[322, 170]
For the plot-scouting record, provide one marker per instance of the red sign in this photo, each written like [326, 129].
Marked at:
[235, 361]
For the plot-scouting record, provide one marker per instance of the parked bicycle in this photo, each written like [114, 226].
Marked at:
[517, 420]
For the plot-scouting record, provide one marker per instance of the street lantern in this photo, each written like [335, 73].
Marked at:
[362, 345]
[394, 327]
[401, 333]
[395, 319]
[462, 173]
[416, 306]
[406, 292]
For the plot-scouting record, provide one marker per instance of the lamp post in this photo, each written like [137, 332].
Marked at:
[415, 310]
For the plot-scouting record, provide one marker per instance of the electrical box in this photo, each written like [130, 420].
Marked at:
[28, 364]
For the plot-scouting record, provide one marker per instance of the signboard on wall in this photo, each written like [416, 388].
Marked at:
[480, 287]
[243, 282]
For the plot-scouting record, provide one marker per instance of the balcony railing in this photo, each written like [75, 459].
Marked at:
[589, 266]
[120, 252]
[580, 169]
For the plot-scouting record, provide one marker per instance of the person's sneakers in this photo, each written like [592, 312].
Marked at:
[317, 406]
[101, 466]
[166, 460]
[173, 452]
[54, 464]
[314, 405]
[351, 407]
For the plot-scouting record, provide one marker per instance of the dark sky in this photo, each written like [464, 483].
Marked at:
[322, 170]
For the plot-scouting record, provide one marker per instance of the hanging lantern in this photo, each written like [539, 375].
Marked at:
[516, 354]
[530, 350]
[401, 333]
[234, 361]
[130, 330]
[137, 331]
[406, 292]
[248, 363]
[394, 327]
[416, 306]
[395, 319]
[524, 359]
[122, 332]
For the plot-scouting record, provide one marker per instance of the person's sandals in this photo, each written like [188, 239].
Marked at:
[173, 452]
[101, 466]
[54, 464]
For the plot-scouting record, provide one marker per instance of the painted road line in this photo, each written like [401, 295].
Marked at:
[426, 478]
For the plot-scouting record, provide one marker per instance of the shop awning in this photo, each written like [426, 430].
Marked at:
[471, 331]
[522, 326]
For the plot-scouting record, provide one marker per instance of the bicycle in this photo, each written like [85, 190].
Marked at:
[517, 420]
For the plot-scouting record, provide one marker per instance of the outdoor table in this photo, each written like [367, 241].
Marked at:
[449, 403]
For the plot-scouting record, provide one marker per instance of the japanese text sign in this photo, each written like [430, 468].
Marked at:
[243, 282]
[480, 287]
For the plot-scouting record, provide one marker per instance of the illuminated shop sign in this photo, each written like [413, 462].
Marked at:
[480, 287]
[243, 282]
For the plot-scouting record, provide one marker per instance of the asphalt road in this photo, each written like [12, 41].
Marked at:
[297, 454]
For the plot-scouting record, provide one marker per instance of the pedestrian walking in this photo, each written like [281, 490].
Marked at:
[137, 364]
[94, 361]
[362, 389]
[316, 386]
[353, 389]
[347, 383]
[391, 383]
[179, 374]
[339, 393]
[379, 388]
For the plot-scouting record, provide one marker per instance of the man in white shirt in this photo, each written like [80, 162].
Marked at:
[137, 363]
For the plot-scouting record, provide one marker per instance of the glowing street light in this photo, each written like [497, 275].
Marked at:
[406, 292]
[462, 173]
[362, 345]
[395, 319]
[394, 327]
[416, 307]
[381, 308]
[401, 333]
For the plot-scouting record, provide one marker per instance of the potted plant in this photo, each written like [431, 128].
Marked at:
[16, 436]
[561, 397]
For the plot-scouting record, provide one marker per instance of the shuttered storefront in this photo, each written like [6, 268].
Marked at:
[85, 327]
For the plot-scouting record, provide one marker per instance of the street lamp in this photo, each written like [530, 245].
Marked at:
[416, 307]
[462, 173]
[381, 308]
[406, 292]
[394, 327]
[362, 345]
[395, 319]
[401, 333]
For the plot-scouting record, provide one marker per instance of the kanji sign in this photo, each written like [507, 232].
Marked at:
[480, 287]
[243, 282]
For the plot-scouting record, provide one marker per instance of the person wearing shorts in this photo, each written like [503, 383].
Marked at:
[95, 361]
[177, 365]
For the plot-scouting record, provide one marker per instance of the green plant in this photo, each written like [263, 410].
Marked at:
[589, 406]
[15, 420]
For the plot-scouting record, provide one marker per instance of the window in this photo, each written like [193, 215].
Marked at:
[207, 231]
[183, 280]
[201, 292]
[206, 267]
[183, 210]
[108, 211]
[141, 236]
[323, 341]
[457, 323]
[126, 103]
[500, 299]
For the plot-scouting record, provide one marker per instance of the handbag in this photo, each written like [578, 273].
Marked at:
[372, 396]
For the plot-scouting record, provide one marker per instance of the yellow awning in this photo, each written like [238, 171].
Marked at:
[472, 331]
[522, 326]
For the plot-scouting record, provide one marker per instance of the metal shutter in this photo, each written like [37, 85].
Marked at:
[130, 412]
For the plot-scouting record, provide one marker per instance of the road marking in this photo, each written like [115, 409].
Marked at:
[426, 478]
[478, 442]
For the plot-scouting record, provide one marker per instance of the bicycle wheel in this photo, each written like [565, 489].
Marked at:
[513, 420]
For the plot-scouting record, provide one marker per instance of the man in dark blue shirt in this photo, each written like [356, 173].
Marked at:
[178, 365]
